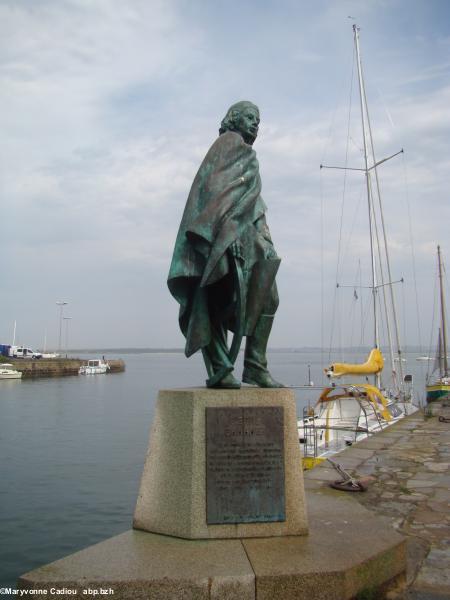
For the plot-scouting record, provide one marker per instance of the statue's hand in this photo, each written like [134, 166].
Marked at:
[236, 249]
[270, 252]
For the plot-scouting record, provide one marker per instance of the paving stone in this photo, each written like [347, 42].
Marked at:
[442, 495]
[411, 464]
[420, 483]
[437, 467]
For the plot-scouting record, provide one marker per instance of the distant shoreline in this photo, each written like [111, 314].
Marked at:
[315, 349]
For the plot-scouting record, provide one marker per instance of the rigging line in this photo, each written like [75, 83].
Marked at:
[368, 309]
[444, 312]
[433, 325]
[413, 260]
[333, 118]
[386, 247]
[338, 261]
[384, 303]
[353, 225]
[360, 283]
[404, 309]
[353, 307]
[322, 276]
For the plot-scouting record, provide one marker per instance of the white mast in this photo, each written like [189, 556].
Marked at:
[372, 227]
[373, 231]
[365, 116]
[443, 320]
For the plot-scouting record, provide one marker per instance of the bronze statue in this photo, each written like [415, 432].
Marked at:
[224, 262]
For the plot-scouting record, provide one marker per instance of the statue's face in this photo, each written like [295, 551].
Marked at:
[247, 124]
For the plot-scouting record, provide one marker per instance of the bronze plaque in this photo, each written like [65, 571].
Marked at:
[245, 465]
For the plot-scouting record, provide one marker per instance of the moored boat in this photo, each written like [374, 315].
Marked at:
[440, 386]
[349, 412]
[7, 371]
[96, 366]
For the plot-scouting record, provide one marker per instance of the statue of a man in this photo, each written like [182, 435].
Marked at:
[224, 262]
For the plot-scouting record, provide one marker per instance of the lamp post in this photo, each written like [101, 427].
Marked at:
[61, 304]
[67, 319]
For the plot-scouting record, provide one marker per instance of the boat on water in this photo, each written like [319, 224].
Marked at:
[353, 410]
[440, 386]
[95, 366]
[7, 371]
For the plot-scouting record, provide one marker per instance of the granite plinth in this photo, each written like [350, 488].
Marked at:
[172, 495]
[348, 551]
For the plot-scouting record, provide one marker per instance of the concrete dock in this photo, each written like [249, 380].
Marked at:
[409, 469]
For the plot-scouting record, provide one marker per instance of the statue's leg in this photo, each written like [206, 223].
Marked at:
[217, 362]
[255, 360]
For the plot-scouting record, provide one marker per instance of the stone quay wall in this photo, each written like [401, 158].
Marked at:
[58, 367]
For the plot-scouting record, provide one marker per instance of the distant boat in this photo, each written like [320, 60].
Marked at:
[94, 367]
[423, 358]
[8, 371]
[441, 385]
[50, 355]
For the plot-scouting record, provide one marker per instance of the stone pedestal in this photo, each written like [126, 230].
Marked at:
[172, 496]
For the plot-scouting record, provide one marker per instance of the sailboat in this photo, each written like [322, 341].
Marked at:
[441, 386]
[349, 412]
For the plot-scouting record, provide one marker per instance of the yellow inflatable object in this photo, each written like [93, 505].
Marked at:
[374, 364]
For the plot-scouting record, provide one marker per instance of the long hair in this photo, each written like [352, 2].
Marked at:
[229, 121]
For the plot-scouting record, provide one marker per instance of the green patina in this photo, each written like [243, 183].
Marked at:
[224, 263]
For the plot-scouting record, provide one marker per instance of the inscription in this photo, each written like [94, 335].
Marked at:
[245, 464]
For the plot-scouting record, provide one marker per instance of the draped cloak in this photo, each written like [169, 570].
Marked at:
[224, 206]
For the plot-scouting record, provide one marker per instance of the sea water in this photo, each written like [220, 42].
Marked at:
[72, 449]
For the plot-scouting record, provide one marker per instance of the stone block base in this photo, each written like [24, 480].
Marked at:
[348, 552]
[172, 496]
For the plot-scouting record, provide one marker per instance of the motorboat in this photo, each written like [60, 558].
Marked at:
[96, 366]
[7, 371]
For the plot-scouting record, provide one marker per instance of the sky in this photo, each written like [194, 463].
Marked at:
[108, 108]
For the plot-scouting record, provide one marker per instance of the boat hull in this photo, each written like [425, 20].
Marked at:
[436, 391]
[93, 370]
[10, 375]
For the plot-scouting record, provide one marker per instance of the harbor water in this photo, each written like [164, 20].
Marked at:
[72, 449]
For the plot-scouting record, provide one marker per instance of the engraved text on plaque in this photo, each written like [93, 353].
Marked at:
[245, 464]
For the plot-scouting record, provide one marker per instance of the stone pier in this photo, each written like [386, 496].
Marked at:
[342, 551]
[409, 469]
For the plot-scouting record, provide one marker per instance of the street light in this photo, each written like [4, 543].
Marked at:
[61, 304]
[67, 319]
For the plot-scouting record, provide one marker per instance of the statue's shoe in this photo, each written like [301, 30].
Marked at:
[260, 378]
[228, 382]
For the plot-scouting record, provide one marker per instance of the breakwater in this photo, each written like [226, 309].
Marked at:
[58, 367]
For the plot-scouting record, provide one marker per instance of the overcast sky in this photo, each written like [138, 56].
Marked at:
[107, 109]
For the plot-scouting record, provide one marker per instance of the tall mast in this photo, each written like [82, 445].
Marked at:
[398, 384]
[368, 187]
[443, 321]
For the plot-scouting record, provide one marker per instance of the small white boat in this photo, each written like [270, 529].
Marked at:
[7, 371]
[95, 366]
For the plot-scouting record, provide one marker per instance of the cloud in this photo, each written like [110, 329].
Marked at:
[108, 109]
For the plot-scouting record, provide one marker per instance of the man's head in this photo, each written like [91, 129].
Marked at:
[243, 118]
